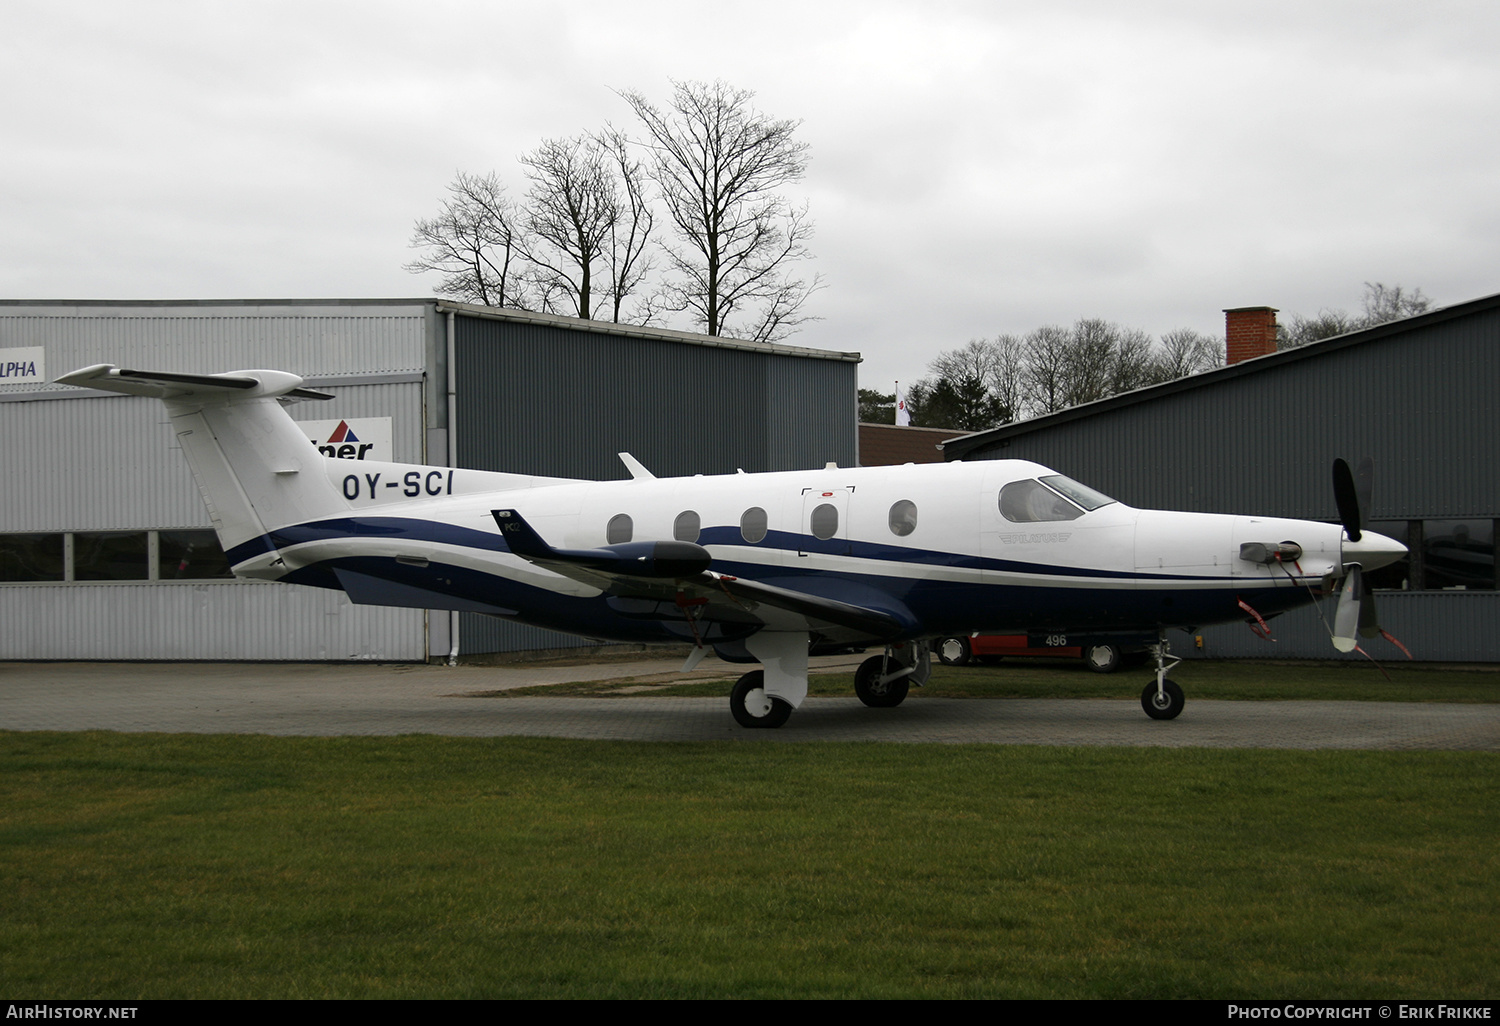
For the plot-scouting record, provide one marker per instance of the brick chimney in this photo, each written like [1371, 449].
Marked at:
[1249, 331]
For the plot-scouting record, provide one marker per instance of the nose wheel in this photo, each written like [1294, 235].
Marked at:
[1162, 702]
[1162, 698]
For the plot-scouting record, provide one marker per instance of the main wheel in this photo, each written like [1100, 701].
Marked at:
[1162, 706]
[954, 651]
[875, 694]
[1102, 658]
[752, 707]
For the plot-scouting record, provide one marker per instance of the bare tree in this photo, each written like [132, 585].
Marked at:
[573, 209]
[1007, 378]
[630, 231]
[1390, 303]
[1185, 351]
[719, 164]
[475, 243]
[1048, 356]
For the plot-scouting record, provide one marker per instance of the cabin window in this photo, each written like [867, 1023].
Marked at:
[903, 518]
[687, 526]
[1029, 501]
[620, 530]
[753, 525]
[825, 521]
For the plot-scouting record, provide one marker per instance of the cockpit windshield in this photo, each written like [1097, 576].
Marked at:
[1079, 493]
[1051, 498]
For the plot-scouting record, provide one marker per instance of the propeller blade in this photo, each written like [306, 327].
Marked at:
[1346, 497]
[1346, 618]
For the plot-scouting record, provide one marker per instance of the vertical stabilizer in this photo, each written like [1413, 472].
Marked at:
[252, 463]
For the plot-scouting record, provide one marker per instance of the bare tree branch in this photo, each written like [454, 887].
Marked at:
[719, 164]
[474, 242]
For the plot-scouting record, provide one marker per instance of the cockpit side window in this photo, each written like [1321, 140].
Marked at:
[1030, 501]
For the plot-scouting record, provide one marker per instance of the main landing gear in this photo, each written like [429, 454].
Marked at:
[766, 698]
[752, 707]
[1162, 699]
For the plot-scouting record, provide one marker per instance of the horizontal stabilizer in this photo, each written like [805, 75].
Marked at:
[172, 385]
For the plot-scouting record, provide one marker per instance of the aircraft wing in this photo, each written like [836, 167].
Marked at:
[672, 581]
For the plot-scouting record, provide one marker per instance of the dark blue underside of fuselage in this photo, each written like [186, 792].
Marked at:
[940, 607]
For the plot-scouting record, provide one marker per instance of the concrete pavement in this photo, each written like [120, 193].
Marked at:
[325, 700]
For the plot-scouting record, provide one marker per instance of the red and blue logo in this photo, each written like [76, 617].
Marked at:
[342, 434]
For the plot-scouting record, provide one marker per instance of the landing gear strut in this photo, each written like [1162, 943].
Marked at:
[1162, 699]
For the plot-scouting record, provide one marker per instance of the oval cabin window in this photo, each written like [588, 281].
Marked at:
[753, 525]
[620, 529]
[903, 518]
[687, 526]
[825, 521]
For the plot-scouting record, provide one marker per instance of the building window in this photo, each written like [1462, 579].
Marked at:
[31, 557]
[1458, 554]
[111, 556]
[687, 526]
[190, 556]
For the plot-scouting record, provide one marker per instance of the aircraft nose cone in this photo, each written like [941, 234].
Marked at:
[1373, 551]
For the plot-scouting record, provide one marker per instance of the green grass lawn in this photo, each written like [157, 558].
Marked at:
[1058, 678]
[140, 866]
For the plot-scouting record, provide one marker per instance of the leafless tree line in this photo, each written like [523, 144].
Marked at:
[990, 381]
[585, 241]
[1382, 303]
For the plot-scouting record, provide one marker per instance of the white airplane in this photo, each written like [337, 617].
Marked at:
[761, 568]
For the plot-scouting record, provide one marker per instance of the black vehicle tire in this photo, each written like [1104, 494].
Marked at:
[954, 651]
[1102, 658]
[780, 710]
[875, 694]
[1162, 706]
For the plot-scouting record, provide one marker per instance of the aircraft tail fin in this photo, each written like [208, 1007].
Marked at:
[254, 467]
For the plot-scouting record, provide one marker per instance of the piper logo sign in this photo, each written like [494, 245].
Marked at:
[359, 438]
[23, 366]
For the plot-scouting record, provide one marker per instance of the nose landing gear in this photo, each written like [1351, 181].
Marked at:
[1162, 699]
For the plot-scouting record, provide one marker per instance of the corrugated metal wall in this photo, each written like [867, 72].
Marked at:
[72, 462]
[208, 620]
[539, 399]
[1435, 625]
[544, 399]
[1424, 403]
[314, 339]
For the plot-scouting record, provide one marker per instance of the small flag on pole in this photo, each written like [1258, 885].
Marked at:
[903, 415]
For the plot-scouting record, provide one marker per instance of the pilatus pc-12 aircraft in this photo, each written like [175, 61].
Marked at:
[763, 568]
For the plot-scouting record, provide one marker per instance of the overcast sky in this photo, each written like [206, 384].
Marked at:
[976, 167]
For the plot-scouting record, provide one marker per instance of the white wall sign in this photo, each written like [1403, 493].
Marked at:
[359, 438]
[23, 366]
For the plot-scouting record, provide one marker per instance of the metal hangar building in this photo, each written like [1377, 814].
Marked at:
[1421, 396]
[105, 546]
